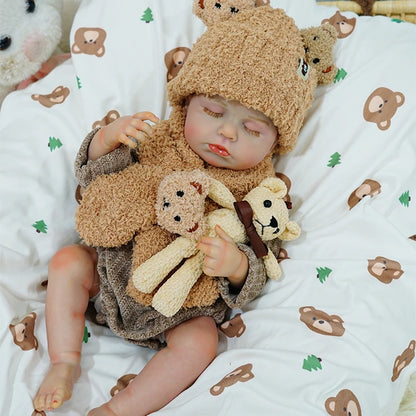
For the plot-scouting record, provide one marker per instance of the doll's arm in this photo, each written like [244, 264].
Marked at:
[127, 130]
[109, 149]
[253, 285]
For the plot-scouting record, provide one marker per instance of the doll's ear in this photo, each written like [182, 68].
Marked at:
[291, 233]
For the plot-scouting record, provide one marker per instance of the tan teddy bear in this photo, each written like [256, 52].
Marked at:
[180, 208]
[212, 11]
[319, 45]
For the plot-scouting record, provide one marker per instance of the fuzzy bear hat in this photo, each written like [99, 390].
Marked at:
[256, 57]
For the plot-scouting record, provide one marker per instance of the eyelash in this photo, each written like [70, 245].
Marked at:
[218, 115]
[252, 132]
[212, 113]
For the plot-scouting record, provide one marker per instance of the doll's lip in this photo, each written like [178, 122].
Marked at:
[194, 228]
[329, 69]
[219, 150]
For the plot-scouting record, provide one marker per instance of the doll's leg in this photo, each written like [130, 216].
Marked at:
[72, 280]
[191, 346]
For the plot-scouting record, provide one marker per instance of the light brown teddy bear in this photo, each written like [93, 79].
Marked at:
[180, 208]
[212, 11]
[319, 45]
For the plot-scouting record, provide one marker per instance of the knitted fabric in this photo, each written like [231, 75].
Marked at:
[132, 317]
[256, 58]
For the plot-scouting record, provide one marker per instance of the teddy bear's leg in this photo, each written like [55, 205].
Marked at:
[172, 294]
[273, 269]
[150, 273]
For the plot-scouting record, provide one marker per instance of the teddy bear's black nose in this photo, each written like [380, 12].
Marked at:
[316, 61]
[5, 42]
[234, 10]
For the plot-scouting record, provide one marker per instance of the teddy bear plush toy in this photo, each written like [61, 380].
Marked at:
[212, 11]
[180, 208]
[30, 33]
[319, 44]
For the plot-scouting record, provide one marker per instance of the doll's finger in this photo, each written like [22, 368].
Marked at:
[128, 141]
[136, 135]
[146, 115]
[142, 126]
[222, 234]
[209, 271]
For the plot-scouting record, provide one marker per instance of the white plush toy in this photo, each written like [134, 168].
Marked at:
[30, 33]
[180, 209]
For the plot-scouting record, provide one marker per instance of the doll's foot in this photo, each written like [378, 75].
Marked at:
[57, 386]
[103, 410]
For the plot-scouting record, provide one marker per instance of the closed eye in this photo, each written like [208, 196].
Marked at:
[212, 113]
[252, 132]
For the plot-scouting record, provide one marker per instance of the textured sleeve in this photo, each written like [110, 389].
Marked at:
[255, 281]
[87, 170]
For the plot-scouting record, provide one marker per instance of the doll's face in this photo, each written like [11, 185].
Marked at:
[226, 134]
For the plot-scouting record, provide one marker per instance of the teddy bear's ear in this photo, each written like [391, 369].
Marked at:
[220, 194]
[276, 185]
[291, 232]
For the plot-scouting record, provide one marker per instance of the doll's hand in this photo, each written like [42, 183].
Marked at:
[128, 130]
[224, 258]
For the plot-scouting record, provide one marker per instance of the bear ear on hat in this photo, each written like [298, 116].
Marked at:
[212, 11]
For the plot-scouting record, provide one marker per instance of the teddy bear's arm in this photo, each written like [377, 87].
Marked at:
[149, 274]
[172, 294]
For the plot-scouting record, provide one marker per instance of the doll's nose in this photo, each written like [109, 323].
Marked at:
[5, 42]
[228, 130]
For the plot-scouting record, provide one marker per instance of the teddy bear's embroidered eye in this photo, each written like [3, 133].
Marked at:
[218, 5]
[180, 194]
[267, 203]
[177, 218]
[5, 42]
[30, 6]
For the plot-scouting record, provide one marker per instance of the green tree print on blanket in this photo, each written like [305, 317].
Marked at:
[40, 227]
[147, 16]
[334, 160]
[54, 143]
[312, 363]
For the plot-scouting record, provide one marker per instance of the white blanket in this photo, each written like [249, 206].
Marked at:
[338, 329]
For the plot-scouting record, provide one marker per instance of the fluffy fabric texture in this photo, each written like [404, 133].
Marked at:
[212, 11]
[257, 58]
[319, 44]
[117, 216]
[30, 36]
[117, 210]
[182, 192]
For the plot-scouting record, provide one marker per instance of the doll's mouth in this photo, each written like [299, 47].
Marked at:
[193, 229]
[219, 150]
[329, 69]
